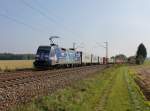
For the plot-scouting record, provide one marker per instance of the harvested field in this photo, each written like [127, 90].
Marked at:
[22, 87]
[15, 64]
[143, 79]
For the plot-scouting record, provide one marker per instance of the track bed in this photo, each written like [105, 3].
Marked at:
[21, 87]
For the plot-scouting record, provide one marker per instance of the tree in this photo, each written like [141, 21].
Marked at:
[141, 54]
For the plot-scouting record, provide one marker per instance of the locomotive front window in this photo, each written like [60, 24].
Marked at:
[43, 50]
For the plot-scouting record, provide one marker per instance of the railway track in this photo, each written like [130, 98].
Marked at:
[17, 78]
[22, 87]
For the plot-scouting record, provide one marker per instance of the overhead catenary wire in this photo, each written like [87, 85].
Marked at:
[54, 16]
[46, 10]
[19, 22]
[37, 10]
[51, 19]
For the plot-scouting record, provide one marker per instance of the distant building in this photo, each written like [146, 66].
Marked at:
[120, 59]
[132, 60]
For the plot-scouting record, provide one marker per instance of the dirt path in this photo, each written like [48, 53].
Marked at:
[105, 93]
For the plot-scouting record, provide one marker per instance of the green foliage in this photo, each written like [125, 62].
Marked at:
[118, 99]
[147, 62]
[138, 100]
[141, 54]
[140, 59]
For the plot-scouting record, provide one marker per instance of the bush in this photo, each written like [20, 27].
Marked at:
[140, 59]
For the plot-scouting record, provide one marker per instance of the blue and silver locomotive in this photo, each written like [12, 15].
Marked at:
[53, 55]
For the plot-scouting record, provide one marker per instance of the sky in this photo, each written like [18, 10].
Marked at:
[26, 24]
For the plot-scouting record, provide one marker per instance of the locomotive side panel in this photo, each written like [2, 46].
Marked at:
[66, 56]
[78, 58]
[61, 56]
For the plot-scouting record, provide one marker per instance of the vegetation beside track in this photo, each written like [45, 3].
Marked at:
[111, 90]
[147, 62]
[9, 65]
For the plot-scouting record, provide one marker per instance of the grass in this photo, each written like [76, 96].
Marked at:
[119, 99]
[6, 65]
[145, 65]
[138, 98]
[84, 95]
[147, 62]
[111, 90]
[125, 94]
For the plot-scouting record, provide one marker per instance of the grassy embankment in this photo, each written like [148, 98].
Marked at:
[111, 90]
[147, 62]
[8, 65]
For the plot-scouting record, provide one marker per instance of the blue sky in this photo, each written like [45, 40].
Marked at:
[26, 24]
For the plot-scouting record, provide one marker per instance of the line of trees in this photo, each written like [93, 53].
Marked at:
[10, 56]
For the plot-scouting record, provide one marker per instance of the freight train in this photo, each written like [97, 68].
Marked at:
[53, 55]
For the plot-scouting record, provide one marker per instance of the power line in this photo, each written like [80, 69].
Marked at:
[37, 10]
[18, 21]
[4, 14]
[53, 15]
[45, 9]
[52, 20]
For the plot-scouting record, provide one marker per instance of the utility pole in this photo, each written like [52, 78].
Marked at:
[74, 45]
[106, 51]
[106, 47]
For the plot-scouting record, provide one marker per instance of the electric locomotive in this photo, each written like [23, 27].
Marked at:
[53, 55]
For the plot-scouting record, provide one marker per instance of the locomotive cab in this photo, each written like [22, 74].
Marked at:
[45, 56]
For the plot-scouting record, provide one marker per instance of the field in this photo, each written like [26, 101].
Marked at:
[143, 78]
[15, 64]
[114, 89]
